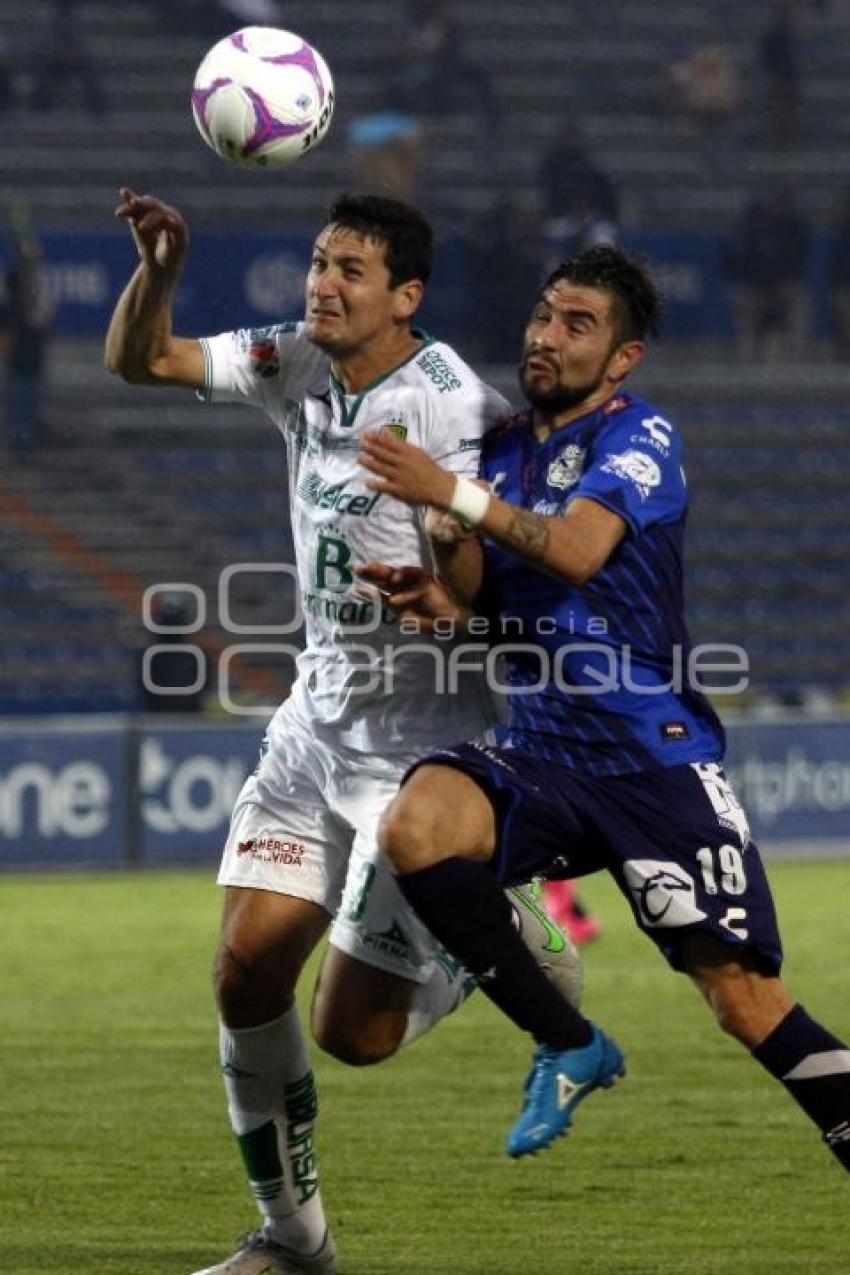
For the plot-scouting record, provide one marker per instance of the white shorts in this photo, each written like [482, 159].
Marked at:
[305, 824]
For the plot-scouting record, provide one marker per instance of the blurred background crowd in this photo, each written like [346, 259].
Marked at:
[712, 138]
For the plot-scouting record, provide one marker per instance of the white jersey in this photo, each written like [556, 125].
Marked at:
[358, 674]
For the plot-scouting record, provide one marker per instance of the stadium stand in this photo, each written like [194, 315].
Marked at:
[132, 490]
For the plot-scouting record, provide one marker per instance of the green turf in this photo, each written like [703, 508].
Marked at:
[116, 1158]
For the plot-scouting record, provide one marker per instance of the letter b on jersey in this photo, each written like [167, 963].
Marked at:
[332, 569]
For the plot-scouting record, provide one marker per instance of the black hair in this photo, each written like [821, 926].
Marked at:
[638, 302]
[406, 235]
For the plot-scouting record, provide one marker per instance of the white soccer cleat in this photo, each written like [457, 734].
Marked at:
[553, 950]
[259, 1255]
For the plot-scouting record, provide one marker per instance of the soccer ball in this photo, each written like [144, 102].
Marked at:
[262, 98]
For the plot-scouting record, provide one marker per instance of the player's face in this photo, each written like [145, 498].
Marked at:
[569, 344]
[349, 301]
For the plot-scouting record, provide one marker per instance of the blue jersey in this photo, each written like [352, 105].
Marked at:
[602, 684]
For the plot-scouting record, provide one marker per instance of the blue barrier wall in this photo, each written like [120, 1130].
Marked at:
[114, 794]
[254, 279]
[111, 793]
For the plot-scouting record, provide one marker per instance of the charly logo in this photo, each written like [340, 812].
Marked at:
[658, 429]
[565, 470]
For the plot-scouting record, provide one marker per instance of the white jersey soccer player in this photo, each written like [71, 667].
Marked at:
[302, 847]
[361, 702]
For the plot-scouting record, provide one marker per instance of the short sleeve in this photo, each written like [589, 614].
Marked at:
[636, 472]
[242, 366]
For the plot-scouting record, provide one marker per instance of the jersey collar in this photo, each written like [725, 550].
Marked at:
[347, 414]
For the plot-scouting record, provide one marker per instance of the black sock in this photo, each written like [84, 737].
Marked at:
[463, 905]
[814, 1067]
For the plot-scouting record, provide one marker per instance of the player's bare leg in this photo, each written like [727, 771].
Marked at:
[362, 1014]
[265, 940]
[359, 1012]
[757, 1009]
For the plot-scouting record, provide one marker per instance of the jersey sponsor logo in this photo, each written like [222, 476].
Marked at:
[664, 892]
[261, 336]
[439, 371]
[390, 942]
[314, 490]
[663, 449]
[470, 445]
[636, 467]
[347, 612]
[265, 849]
[725, 804]
[658, 429]
[674, 730]
[565, 470]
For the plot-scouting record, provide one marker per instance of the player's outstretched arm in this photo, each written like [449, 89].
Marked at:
[140, 346]
[572, 546]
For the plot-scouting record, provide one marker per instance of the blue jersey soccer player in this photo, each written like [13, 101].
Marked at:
[609, 757]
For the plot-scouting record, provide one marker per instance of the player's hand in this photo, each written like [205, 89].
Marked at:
[413, 594]
[160, 232]
[404, 471]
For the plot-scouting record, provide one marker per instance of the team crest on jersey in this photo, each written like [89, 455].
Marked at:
[397, 428]
[565, 470]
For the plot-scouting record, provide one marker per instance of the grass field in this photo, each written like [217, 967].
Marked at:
[116, 1157]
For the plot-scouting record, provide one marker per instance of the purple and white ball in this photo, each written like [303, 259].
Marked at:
[262, 98]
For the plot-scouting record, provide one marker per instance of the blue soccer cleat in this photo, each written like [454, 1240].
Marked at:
[558, 1081]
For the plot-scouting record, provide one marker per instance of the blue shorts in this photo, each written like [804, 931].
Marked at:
[675, 840]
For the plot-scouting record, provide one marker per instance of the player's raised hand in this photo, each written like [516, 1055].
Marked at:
[414, 595]
[160, 232]
[406, 472]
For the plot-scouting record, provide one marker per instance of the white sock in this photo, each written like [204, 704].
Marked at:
[271, 1100]
[445, 991]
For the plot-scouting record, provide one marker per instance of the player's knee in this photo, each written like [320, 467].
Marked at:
[728, 1015]
[747, 1005]
[360, 1044]
[248, 990]
[408, 835]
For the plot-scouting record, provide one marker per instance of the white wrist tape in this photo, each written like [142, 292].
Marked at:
[469, 502]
